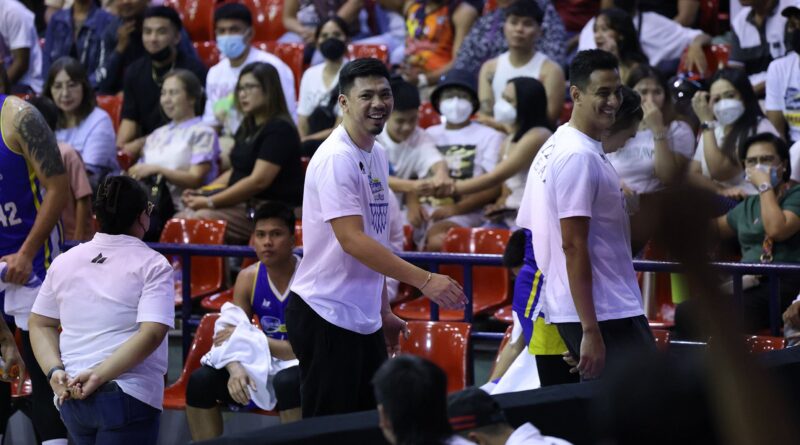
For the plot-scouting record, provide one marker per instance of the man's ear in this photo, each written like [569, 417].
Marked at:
[574, 93]
[343, 102]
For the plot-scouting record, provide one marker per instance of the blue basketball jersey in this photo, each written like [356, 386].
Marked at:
[268, 306]
[21, 197]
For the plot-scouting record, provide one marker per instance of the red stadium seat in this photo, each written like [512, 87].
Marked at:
[175, 394]
[124, 160]
[213, 303]
[208, 52]
[27, 389]
[490, 284]
[298, 233]
[113, 106]
[362, 50]
[489, 6]
[566, 113]
[505, 314]
[763, 343]
[428, 117]
[290, 53]
[267, 19]
[503, 343]
[197, 17]
[304, 162]
[408, 238]
[708, 18]
[662, 337]
[717, 56]
[207, 272]
[444, 343]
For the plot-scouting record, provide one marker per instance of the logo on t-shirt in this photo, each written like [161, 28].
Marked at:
[99, 259]
[792, 102]
[379, 216]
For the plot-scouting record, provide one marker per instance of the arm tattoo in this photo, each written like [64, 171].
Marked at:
[40, 141]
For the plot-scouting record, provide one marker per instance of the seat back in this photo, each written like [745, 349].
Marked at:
[175, 394]
[490, 284]
[298, 233]
[207, 272]
[763, 343]
[208, 52]
[566, 112]
[366, 50]
[708, 18]
[662, 337]
[290, 53]
[503, 344]
[717, 56]
[113, 106]
[267, 19]
[197, 17]
[428, 117]
[444, 343]
[124, 160]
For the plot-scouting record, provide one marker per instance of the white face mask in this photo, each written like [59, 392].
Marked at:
[504, 112]
[456, 110]
[727, 111]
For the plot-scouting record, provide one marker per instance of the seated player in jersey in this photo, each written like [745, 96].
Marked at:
[261, 290]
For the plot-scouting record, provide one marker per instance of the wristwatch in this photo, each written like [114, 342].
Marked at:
[764, 186]
[708, 125]
[53, 370]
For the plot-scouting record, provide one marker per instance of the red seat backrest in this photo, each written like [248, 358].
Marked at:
[207, 272]
[298, 233]
[763, 343]
[290, 53]
[366, 50]
[197, 17]
[444, 343]
[267, 19]
[208, 52]
[662, 337]
[503, 344]
[113, 106]
[175, 394]
[428, 117]
[124, 160]
[717, 56]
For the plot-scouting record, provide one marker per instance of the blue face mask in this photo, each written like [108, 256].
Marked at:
[231, 45]
[774, 179]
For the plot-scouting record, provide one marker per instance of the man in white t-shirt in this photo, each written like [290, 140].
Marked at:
[782, 101]
[19, 47]
[759, 32]
[411, 153]
[339, 320]
[470, 149]
[233, 25]
[575, 209]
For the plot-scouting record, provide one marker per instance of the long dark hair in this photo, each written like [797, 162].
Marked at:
[642, 72]
[275, 101]
[76, 73]
[747, 124]
[630, 50]
[119, 202]
[629, 112]
[413, 393]
[531, 105]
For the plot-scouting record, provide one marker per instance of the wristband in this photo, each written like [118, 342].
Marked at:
[662, 136]
[708, 125]
[53, 370]
[427, 280]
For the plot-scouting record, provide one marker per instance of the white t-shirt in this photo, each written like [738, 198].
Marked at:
[412, 158]
[764, 126]
[221, 81]
[635, 162]
[17, 30]
[470, 151]
[100, 291]
[505, 71]
[314, 92]
[749, 36]
[662, 39]
[527, 434]
[794, 161]
[572, 177]
[343, 180]
[783, 91]
[516, 183]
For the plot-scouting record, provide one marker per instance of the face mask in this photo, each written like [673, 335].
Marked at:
[456, 110]
[162, 54]
[727, 111]
[504, 112]
[231, 45]
[332, 49]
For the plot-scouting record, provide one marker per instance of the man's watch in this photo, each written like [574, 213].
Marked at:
[53, 370]
[764, 186]
[708, 125]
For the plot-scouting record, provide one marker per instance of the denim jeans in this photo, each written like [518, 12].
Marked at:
[111, 417]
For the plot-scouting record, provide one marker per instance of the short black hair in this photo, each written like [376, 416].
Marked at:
[406, 95]
[781, 148]
[233, 11]
[588, 61]
[47, 108]
[629, 112]
[514, 255]
[365, 67]
[165, 12]
[335, 19]
[525, 8]
[277, 210]
[119, 202]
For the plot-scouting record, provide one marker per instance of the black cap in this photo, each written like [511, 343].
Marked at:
[473, 408]
[234, 11]
[790, 11]
[459, 78]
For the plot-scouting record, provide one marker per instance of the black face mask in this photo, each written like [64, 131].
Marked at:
[332, 49]
[162, 55]
[794, 40]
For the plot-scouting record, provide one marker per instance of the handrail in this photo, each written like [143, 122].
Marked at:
[433, 260]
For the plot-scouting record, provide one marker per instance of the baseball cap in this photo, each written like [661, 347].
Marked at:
[473, 408]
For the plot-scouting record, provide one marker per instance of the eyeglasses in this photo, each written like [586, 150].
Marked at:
[150, 207]
[248, 87]
[755, 160]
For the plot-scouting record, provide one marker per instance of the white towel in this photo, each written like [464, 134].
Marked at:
[249, 346]
[19, 299]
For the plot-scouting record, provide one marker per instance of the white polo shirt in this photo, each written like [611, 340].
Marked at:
[569, 177]
[343, 180]
[100, 291]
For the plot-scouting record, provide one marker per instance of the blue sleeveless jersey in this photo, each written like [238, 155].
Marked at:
[528, 288]
[21, 197]
[268, 307]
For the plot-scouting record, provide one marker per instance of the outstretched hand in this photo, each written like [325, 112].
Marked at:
[445, 291]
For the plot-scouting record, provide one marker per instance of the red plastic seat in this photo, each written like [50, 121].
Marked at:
[175, 394]
[365, 50]
[267, 19]
[207, 272]
[124, 160]
[490, 284]
[717, 56]
[566, 112]
[27, 388]
[444, 343]
[298, 233]
[662, 337]
[408, 238]
[505, 314]
[113, 106]
[197, 17]
[503, 343]
[208, 52]
[213, 303]
[290, 53]
[764, 343]
[489, 7]
[428, 117]
[708, 18]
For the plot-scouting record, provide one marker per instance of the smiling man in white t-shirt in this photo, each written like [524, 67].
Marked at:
[339, 320]
[574, 207]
